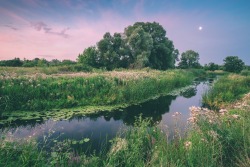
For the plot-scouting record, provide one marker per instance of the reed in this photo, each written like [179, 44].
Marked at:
[45, 92]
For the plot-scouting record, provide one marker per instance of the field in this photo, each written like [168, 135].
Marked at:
[218, 137]
[32, 93]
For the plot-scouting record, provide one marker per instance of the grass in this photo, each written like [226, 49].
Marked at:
[226, 90]
[37, 92]
[213, 139]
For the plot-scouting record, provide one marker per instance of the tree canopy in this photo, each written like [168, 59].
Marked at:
[233, 64]
[189, 59]
[211, 66]
[140, 45]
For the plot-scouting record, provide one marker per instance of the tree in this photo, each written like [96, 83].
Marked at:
[90, 57]
[54, 62]
[189, 59]
[233, 64]
[16, 62]
[67, 62]
[42, 63]
[211, 66]
[149, 45]
[141, 45]
[113, 51]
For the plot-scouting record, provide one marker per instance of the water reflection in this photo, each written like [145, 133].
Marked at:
[103, 127]
[153, 109]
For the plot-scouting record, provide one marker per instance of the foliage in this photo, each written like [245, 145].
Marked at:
[189, 59]
[149, 42]
[213, 139]
[226, 90]
[233, 64]
[16, 62]
[245, 72]
[49, 92]
[20, 153]
[211, 66]
[141, 45]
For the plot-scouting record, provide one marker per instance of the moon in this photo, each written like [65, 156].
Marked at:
[200, 28]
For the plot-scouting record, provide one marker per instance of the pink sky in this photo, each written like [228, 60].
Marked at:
[63, 29]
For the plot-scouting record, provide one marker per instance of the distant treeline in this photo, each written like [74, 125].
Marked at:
[140, 45]
[16, 62]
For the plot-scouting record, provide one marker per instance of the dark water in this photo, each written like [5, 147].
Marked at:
[101, 128]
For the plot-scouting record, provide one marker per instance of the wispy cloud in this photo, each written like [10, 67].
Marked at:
[11, 27]
[41, 26]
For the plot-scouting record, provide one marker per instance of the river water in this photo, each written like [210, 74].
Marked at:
[99, 129]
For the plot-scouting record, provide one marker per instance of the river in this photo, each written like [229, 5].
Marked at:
[99, 129]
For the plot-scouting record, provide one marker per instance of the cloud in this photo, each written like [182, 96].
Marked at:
[11, 27]
[41, 26]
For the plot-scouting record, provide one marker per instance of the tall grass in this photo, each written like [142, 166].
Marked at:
[226, 90]
[40, 92]
[213, 140]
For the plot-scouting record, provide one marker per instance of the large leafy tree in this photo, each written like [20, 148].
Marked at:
[233, 64]
[189, 59]
[90, 57]
[141, 45]
[113, 51]
[149, 43]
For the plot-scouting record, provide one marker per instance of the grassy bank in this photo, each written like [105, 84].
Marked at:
[213, 138]
[44, 92]
[226, 90]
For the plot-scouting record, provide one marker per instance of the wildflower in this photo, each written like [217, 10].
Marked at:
[192, 119]
[235, 116]
[176, 114]
[213, 134]
[203, 140]
[119, 145]
[188, 144]
[223, 111]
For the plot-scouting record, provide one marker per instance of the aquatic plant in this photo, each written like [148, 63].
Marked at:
[41, 92]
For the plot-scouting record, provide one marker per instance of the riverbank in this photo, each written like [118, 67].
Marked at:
[213, 138]
[86, 93]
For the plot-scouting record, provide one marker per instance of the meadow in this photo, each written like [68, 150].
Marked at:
[39, 92]
[219, 136]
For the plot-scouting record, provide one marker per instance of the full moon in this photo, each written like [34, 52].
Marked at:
[200, 28]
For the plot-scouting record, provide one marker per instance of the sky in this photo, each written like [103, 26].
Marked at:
[61, 29]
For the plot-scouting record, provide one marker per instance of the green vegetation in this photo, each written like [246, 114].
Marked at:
[211, 66]
[140, 45]
[49, 90]
[233, 64]
[189, 59]
[212, 140]
[226, 90]
[43, 92]
[16, 62]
